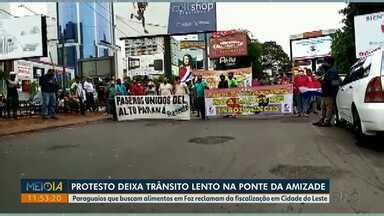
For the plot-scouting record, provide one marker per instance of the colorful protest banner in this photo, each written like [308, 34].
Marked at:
[153, 107]
[212, 77]
[263, 100]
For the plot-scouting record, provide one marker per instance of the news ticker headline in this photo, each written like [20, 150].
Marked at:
[175, 186]
[175, 191]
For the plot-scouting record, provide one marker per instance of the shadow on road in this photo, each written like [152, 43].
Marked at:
[375, 143]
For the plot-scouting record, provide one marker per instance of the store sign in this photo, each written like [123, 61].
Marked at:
[153, 107]
[227, 61]
[228, 44]
[369, 33]
[23, 37]
[191, 17]
[212, 77]
[311, 47]
[263, 100]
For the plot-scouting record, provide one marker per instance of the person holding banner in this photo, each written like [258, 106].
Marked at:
[311, 92]
[165, 87]
[151, 88]
[111, 93]
[120, 87]
[232, 82]
[199, 88]
[180, 88]
[300, 81]
[223, 82]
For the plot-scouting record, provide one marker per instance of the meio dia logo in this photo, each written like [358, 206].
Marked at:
[49, 186]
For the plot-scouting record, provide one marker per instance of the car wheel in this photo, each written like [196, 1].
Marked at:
[357, 129]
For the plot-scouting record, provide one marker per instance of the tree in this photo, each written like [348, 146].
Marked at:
[343, 44]
[273, 57]
[254, 54]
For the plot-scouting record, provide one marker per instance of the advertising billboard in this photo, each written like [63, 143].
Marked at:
[185, 17]
[311, 47]
[137, 19]
[145, 56]
[369, 33]
[227, 44]
[23, 37]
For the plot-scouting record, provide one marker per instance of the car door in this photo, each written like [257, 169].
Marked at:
[341, 99]
[349, 89]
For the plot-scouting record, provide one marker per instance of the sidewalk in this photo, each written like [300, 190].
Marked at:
[35, 123]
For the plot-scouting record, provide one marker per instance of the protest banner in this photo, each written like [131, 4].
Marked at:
[263, 100]
[153, 107]
[212, 77]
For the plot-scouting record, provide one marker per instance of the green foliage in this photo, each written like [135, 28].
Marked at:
[274, 58]
[33, 89]
[267, 55]
[254, 54]
[68, 83]
[343, 50]
[343, 44]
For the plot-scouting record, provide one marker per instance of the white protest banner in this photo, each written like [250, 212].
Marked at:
[153, 107]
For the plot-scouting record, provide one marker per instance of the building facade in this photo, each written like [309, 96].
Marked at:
[86, 31]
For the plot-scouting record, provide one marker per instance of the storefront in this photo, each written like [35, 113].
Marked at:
[29, 72]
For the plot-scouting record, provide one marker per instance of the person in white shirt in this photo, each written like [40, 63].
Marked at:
[181, 88]
[165, 88]
[90, 91]
[80, 94]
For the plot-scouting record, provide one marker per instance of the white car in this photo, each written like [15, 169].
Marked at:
[360, 99]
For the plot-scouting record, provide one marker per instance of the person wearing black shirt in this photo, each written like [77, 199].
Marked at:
[49, 88]
[329, 87]
[223, 82]
[12, 95]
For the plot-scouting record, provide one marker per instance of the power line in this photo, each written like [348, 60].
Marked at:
[8, 13]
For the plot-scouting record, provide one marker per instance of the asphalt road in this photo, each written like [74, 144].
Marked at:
[221, 148]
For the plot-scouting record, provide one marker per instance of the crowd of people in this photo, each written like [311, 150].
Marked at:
[306, 91]
[312, 93]
[317, 93]
[142, 85]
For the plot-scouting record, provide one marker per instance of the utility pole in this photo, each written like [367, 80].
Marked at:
[206, 62]
[62, 42]
[115, 60]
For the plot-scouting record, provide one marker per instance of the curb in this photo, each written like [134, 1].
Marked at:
[53, 127]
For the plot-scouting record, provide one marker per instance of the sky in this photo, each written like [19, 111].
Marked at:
[277, 21]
